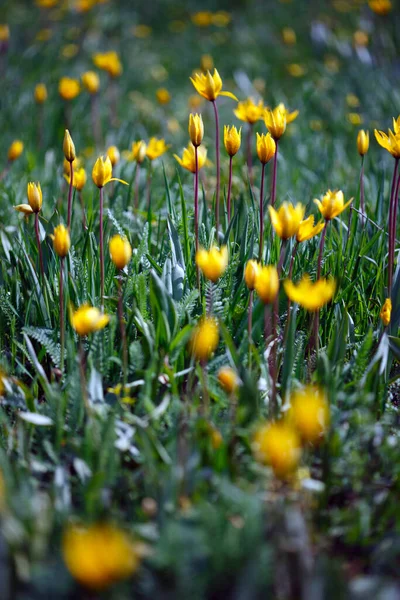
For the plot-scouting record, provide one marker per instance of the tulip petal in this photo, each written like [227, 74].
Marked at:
[24, 208]
[229, 95]
[116, 179]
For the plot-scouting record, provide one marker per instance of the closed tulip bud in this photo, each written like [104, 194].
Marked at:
[196, 129]
[250, 273]
[68, 147]
[61, 241]
[266, 147]
[212, 262]
[15, 150]
[204, 339]
[40, 93]
[68, 88]
[35, 199]
[228, 379]
[88, 319]
[120, 251]
[386, 312]
[91, 82]
[267, 284]
[102, 171]
[362, 142]
[139, 150]
[232, 139]
[113, 154]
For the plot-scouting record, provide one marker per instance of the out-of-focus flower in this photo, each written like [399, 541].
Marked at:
[213, 262]
[287, 219]
[267, 283]
[102, 172]
[142, 31]
[308, 230]
[228, 379]
[113, 154]
[332, 63]
[309, 413]
[332, 204]
[61, 240]
[91, 82]
[69, 50]
[173, 125]
[139, 150]
[109, 62]
[202, 18]
[15, 150]
[204, 340]
[196, 129]
[76, 163]
[156, 148]
[163, 96]
[250, 273]
[266, 147]
[195, 102]
[362, 142]
[352, 100]
[99, 555]
[296, 70]
[188, 160]
[311, 296]
[248, 111]
[40, 93]
[289, 36]
[120, 251]
[46, 3]
[206, 62]
[386, 312]
[360, 38]
[232, 139]
[277, 445]
[390, 142]
[79, 178]
[69, 147]
[4, 33]
[216, 437]
[88, 319]
[221, 18]
[210, 86]
[381, 7]
[44, 35]
[355, 118]
[68, 88]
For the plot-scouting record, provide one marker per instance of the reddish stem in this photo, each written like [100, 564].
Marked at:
[321, 249]
[137, 180]
[39, 245]
[62, 323]
[250, 318]
[123, 332]
[392, 227]
[274, 175]
[101, 249]
[218, 166]
[196, 210]
[71, 180]
[362, 200]
[229, 189]
[249, 157]
[83, 210]
[261, 213]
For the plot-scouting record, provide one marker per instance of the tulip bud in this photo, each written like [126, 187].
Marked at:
[362, 142]
[386, 312]
[35, 198]
[228, 379]
[102, 171]
[91, 82]
[204, 339]
[232, 139]
[267, 284]
[88, 319]
[61, 241]
[266, 147]
[68, 147]
[113, 155]
[15, 150]
[120, 251]
[40, 93]
[212, 262]
[68, 88]
[196, 129]
[250, 273]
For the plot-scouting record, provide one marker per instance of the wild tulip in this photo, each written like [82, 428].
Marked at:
[204, 340]
[266, 149]
[70, 155]
[310, 295]
[68, 88]
[155, 148]
[251, 272]
[228, 380]
[113, 154]
[40, 93]
[15, 150]
[232, 141]
[196, 134]
[277, 445]
[138, 154]
[35, 200]
[213, 262]
[61, 244]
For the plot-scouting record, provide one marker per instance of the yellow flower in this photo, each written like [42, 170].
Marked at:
[163, 96]
[98, 555]
[142, 31]
[287, 219]
[232, 139]
[68, 88]
[381, 7]
[76, 163]
[216, 437]
[79, 178]
[277, 445]
[61, 240]
[4, 33]
[267, 283]
[15, 150]
[69, 147]
[228, 379]
[390, 142]
[332, 204]
[248, 111]
[40, 93]
[311, 296]
[156, 148]
[362, 142]
[250, 273]
[266, 147]
[109, 62]
[139, 150]
[296, 70]
[88, 319]
[35, 199]
[102, 172]
[213, 262]
[46, 3]
[204, 340]
[91, 82]
[188, 160]
[196, 129]
[113, 154]
[277, 119]
[120, 251]
[210, 86]
[221, 18]
[386, 312]
[202, 18]
[360, 38]
[309, 413]
[288, 36]
[308, 230]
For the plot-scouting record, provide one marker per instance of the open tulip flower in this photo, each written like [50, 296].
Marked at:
[102, 172]
[88, 319]
[308, 230]
[332, 204]
[188, 160]
[212, 262]
[248, 111]
[286, 221]
[311, 296]
[389, 141]
[210, 86]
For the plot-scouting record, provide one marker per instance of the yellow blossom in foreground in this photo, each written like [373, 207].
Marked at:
[228, 379]
[308, 230]
[381, 7]
[212, 262]
[250, 273]
[68, 88]
[309, 413]
[266, 147]
[163, 96]
[88, 319]
[277, 445]
[196, 129]
[40, 93]
[61, 240]
[188, 160]
[156, 148]
[102, 172]
[248, 111]
[232, 139]
[98, 555]
[15, 150]
[390, 141]
[139, 150]
[204, 340]
[210, 86]
[120, 251]
[109, 62]
[113, 154]
[79, 178]
[332, 204]
[362, 142]
[287, 219]
[386, 312]
[69, 147]
[311, 296]
[267, 283]
[91, 82]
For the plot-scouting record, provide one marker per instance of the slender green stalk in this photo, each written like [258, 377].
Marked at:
[137, 180]
[362, 199]
[123, 332]
[392, 226]
[249, 153]
[196, 210]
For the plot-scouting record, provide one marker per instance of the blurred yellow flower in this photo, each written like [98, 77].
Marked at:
[88, 319]
[296, 70]
[267, 283]
[79, 178]
[360, 38]
[277, 445]
[386, 312]
[188, 160]
[288, 36]
[311, 296]
[248, 111]
[332, 204]
[232, 139]
[109, 62]
[113, 154]
[308, 230]
[40, 93]
[202, 18]
[4, 33]
[354, 118]
[195, 101]
[213, 262]
[76, 163]
[91, 82]
[196, 129]
[163, 96]
[142, 31]
[266, 147]
[250, 273]
[46, 3]
[44, 35]
[68, 88]
[210, 86]
[70, 50]
[15, 150]
[206, 62]
[204, 340]
[120, 251]
[390, 142]
[287, 219]
[381, 7]
[309, 413]
[331, 63]
[352, 100]
[139, 150]
[362, 142]
[156, 148]
[228, 379]
[61, 240]
[221, 18]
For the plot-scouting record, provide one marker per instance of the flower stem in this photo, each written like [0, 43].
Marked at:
[123, 332]
[321, 249]
[392, 227]
[250, 324]
[260, 255]
[149, 187]
[362, 200]
[137, 180]
[218, 166]
[71, 180]
[274, 174]
[249, 158]
[101, 249]
[229, 189]
[62, 322]
[82, 364]
[196, 210]
[281, 257]
[294, 252]
[39, 246]
[273, 361]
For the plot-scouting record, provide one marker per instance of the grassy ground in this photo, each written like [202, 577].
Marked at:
[173, 465]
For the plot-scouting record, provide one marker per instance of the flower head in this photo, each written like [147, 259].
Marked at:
[61, 240]
[210, 86]
[102, 172]
[120, 251]
[228, 379]
[248, 111]
[156, 148]
[188, 160]
[204, 340]
[390, 141]
[277, 119]
[212, 262]
[88, 319]
[232, 139]
[139, 150]
[286, 221]
[250, 273]
[267, 283]
[266, 147]
[311, 296]
[308, 230]
[113, 154]
[4, 33]
[332, 204]
[68, 88]
[163, 96]
[69, 147]
[91, 82]
[15, 150]
[196, 129]
[381, 7]
[309, 413]
[40, 93]
[362, 142]
[35, 199]
[109, 62]
[277, 445]
[386, 312]
[78, 180]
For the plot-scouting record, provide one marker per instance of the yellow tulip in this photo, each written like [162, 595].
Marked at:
[277, 119]
[139, 150]
[156, 148]
[332, 204]
[68, 88]
[289, 36]
[188, 160]
[362, 142]
[120, 251]
[69, 147]
[76, 163]
[266, 147]
[91, 82]
[213, 262]
[109, 62]
[232, 139]
[102, 172]
[196, 129]
[40, 93]
[248, 111]
[386, 312]
[4, 33]
[228, 379]
[311, 296]
[267, 284]
[286, 221]
[15, 150]
[250, 273]
[79, 179]
[210, 86]
[277, 445]
[35, 197]
[113, 154]
[61, 240]
[88, 319]
[204, 340]
[308, 230]
[390, 142]
[309, 413]
[163, 96]
[380, 7]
